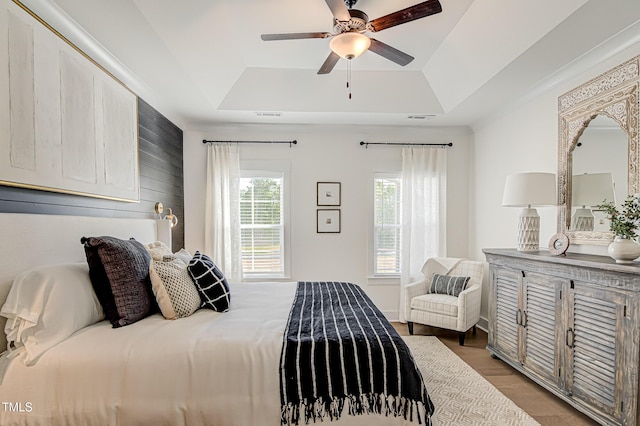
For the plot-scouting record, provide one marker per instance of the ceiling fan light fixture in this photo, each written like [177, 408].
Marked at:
[350, 45]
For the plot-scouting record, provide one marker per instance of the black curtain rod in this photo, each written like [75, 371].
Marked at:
[366, 144]
[293, 142]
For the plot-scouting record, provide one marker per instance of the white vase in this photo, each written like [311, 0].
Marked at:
[624, 250]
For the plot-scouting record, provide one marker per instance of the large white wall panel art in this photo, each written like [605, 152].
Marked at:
[66, 124]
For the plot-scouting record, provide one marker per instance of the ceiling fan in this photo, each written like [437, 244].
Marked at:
[349, 25]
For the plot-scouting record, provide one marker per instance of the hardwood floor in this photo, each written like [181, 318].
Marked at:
[532, 398]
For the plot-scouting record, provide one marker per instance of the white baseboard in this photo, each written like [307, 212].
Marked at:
[483, 324]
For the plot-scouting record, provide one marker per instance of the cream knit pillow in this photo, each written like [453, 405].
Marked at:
[175, 292]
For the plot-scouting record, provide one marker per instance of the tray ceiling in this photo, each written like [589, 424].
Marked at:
[202, 62]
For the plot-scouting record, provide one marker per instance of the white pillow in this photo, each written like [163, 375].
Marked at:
[158, 249]
[45, 306]
[184, 255]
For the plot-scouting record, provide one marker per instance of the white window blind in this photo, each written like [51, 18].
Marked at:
[388, 192]
[261, 224]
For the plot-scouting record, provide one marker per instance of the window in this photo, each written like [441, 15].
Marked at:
[262, 224]
[387, 219]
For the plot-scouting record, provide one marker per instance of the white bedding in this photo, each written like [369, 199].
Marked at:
[207, 369]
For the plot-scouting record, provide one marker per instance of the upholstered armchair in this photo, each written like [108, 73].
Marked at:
[459, 313]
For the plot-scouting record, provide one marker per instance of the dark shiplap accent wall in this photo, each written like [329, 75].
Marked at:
[160, 180]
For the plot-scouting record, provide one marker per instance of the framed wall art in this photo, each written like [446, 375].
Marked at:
[328, 193]
[66, 124]
[328, 221]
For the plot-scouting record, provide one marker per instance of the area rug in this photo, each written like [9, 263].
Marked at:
[460, 394]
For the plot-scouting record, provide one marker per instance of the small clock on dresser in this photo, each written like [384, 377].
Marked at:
[558, 244]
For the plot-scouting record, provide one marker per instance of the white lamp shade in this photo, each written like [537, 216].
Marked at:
[163, 231]
[350, 45]
[591, 189]
[529, 189]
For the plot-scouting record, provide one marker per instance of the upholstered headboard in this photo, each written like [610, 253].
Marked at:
[30, 240]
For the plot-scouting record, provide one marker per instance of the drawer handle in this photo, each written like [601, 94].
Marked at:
[525, 319]
[570, 332]
[518, 317]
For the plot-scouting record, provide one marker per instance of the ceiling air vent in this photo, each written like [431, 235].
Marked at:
[421, 116]
[269, 114]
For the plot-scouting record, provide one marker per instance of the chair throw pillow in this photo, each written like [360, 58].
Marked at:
[446, 284]
[172, 283]
[119, 273]
[211, 283]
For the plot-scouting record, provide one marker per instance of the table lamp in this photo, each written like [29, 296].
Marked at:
[527, 190]
[589, 190]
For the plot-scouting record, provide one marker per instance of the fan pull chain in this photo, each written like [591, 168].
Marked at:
[349, 78]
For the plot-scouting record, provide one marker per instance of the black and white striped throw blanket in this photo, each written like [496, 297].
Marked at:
[341, 354]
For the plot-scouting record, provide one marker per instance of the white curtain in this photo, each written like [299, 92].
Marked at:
[222, 210]
[423, 232]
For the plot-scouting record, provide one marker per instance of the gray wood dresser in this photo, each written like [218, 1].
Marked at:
[571, 324]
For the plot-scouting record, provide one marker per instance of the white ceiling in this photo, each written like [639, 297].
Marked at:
[202, 62]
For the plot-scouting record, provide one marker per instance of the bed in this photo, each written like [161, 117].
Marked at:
[210, 368]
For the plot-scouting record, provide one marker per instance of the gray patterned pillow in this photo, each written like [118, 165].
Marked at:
[174, 284]
[447, 284]
[119, 272]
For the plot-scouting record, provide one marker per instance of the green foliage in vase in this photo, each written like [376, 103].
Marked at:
[624, 222]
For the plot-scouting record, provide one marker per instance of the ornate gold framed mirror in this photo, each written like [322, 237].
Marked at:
[614, 96]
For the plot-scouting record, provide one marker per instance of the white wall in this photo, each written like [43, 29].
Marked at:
[333, 153]
[522, 139]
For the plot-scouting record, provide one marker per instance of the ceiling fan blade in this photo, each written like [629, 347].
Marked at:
[339, 10]
[329, 63]
[293, 36]
[391, 53]
[411, 13]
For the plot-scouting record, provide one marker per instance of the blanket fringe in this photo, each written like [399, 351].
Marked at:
[318, 410]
